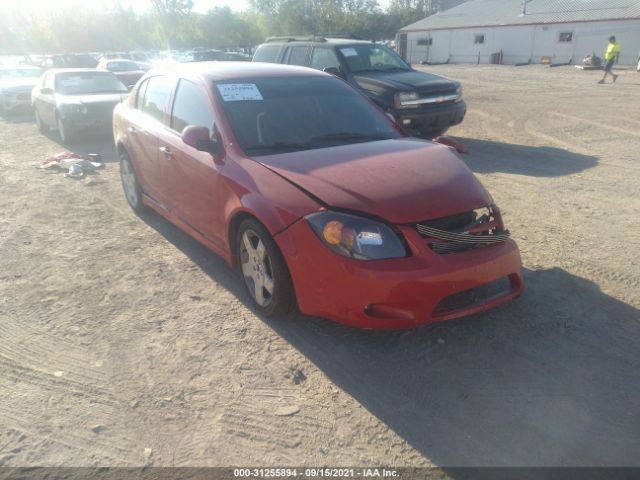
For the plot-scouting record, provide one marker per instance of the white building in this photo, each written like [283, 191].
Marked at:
[556, 31]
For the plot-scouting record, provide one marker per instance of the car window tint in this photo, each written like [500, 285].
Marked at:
[155, 97]
[302, 112]
[323, 58]
[298, 56]
[267, 53]
[190, 107]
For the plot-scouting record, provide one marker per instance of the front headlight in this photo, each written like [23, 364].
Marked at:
[356, 237]
[402, 99]
[459, 93]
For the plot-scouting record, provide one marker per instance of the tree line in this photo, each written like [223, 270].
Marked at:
[172, 24]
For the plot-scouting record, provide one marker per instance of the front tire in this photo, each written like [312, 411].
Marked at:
[67, 136]
[264, 270]
[130, 184]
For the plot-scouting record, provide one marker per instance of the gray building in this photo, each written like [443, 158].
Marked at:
[556, 31]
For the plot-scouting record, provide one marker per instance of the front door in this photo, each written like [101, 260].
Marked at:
[194, 176]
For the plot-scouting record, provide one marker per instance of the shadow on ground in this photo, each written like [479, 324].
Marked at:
[97, 141]
[550, 379]
[491, 157]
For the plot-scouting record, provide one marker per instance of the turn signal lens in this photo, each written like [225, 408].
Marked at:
[332, 232]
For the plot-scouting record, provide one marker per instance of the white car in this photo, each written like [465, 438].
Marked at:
[16, 83]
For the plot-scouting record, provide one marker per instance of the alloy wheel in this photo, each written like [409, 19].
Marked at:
[256, 268]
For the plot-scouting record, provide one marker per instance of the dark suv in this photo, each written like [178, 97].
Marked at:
[422, 102]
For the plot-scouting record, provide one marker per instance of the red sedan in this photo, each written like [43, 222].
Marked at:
[315, 194]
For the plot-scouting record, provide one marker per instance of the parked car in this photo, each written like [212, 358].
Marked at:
[70, 60]
[127, 71]
[316, 194]
[75, 100]
[16, 83]
[424, 103]
[205, 56]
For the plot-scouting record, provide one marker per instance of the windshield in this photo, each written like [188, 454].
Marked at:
[19, 73]
[372, 58]
[271, 115]
[123, 66]
[74, 83]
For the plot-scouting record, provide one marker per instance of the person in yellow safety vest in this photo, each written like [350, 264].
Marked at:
[610, 56]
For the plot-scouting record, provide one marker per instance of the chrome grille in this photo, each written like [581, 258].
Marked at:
[462, 232]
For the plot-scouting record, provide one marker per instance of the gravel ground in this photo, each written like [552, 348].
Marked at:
[123, 342]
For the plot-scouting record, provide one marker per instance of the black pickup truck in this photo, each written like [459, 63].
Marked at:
[421, 102]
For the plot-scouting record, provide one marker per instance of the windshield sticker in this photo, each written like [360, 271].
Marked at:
[349, 52]
[234, 92]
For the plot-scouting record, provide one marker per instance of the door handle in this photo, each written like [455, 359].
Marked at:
[131, 130]
[167, 153]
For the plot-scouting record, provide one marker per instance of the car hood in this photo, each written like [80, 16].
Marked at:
[405, 81]
[92, 99]
[16, 84]
[402, 181]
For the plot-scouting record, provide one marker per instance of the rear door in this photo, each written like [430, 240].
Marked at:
[194, 176]
[146, 123]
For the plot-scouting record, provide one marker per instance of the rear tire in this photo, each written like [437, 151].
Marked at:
[130, 184]
[264, 270]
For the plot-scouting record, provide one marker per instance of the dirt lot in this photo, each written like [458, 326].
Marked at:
[124, 342]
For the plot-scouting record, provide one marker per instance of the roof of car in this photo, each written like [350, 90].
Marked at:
[216, 71]
[18, 65]
[318, 41]
[75, 70]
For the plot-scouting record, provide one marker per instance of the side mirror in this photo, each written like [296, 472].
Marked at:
[46, 91]
[200, 139]
[335, 71]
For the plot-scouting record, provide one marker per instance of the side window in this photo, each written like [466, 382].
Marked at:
[49, 81]
[190, 107]
[267, 53]
[155, 97]
[298, 56]
[323, 58]
[140, 94]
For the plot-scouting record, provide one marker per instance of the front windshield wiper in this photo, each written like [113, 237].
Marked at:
[279, 146]
[349, 136]
[402, 69]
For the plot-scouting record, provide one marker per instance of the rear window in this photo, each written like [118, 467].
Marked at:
[267, 53]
